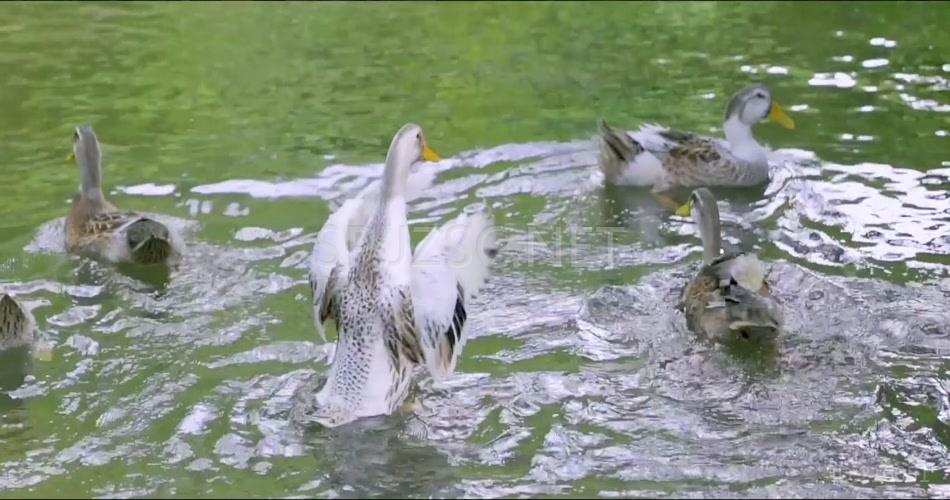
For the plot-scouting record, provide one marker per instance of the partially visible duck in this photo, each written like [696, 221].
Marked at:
[17, 326]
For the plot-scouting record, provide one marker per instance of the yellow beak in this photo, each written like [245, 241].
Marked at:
[683, 211]
[777, 115]
[428, 154]
[72, 156]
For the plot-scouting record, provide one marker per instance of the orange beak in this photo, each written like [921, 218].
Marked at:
[428, 154]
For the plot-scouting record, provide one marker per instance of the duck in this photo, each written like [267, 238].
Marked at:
[394, 309]
[665, 159]
[730, 297]
[17, 326]
[95, 226]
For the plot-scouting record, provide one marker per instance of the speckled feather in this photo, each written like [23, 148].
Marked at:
[95, 226]
[406, 326]
[367, 314]
[16, 323]
[688, 160]
[394, 309]
[694, 161]
[665, 159]
[714, 299]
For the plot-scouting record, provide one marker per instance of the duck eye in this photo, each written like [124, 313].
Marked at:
[760, 95]
[75, 135]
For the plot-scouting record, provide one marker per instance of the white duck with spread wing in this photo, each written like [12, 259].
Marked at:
[394, 309]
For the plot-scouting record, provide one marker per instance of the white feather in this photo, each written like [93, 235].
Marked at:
[341, 232]
[748, 271]
[645, 169]
[648, 135]
[329, 250]
[458, 254]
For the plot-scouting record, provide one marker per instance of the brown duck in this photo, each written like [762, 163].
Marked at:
[666, 159]
[95, 226]
[730, 297]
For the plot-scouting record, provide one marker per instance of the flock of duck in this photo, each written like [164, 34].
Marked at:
[396, 308]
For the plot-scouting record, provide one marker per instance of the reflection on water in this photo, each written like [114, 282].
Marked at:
[580, 377]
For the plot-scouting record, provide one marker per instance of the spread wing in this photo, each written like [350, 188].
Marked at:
[329, 261]
[448, 268]
[328, 306]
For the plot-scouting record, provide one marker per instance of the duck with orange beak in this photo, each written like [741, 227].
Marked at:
[394, 309]
[666, 159]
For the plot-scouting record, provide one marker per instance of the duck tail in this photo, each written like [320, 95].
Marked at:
[617, 150]
[750, 313]
[617, 144]
[149, 241]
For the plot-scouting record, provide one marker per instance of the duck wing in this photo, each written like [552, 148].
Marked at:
[329, 261]
[448, 269]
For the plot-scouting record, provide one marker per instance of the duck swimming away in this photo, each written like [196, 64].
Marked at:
[665, 159]
[394, 309]
[95, 226]
[730, 297]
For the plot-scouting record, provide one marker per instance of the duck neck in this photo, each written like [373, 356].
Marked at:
[394, 181]
[742, 142]
[91, 181]
[387, 237]
[709, 233]
[392, 199]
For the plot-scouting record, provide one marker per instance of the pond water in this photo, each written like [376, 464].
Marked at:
[247, 123]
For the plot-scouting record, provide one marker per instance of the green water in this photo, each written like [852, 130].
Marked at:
[577, 380]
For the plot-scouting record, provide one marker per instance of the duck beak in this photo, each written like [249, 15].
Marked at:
[428, 154]
[683, 211]
[71, 156]
[777, 115]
